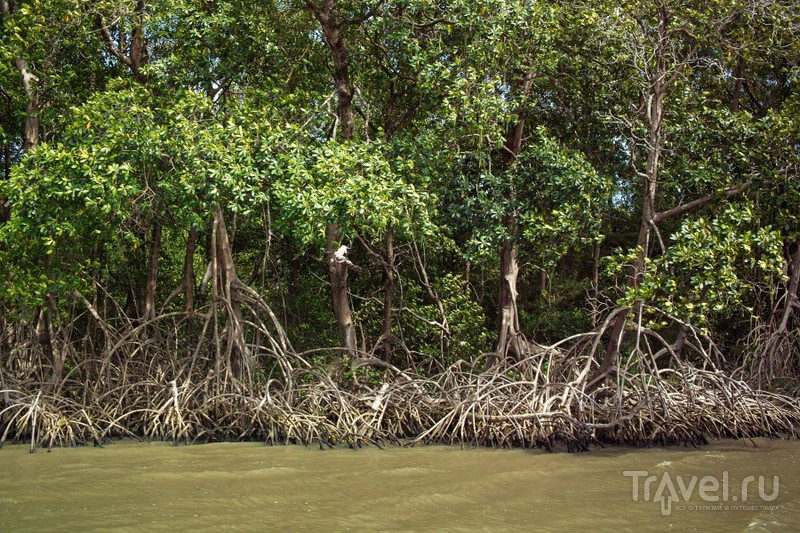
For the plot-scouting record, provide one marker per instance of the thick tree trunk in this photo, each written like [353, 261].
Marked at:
[343, 88]
[31, 133]
[339, 294]
[225, 266]
[236, 353]
[338, 270]
[509, 340]
[332, 30]
[509, 336]
[138, 52]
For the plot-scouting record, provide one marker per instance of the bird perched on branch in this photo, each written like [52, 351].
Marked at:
[340, 256]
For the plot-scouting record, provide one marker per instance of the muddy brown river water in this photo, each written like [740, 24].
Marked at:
[726, 486]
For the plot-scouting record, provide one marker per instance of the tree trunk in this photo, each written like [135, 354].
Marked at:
[30, 138]
[791, 292]
[29, 81]
[30, 141]
[444, 326]
[31, 133]
[237, 355]
[149, 303]
[643, 243]
[339, 294]
[56, 354]
[596, 267]
[542, 283]
[227, 271]
[4, 337]
[4, 210]
[508, 335]
[137, 57]
[294, 316]
[44, 332]
[388, 296]
[138, 52]
[332, 30]
[188, 270]
[737, 84]
[655, 139]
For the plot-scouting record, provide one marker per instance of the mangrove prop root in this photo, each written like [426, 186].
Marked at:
[172, 387]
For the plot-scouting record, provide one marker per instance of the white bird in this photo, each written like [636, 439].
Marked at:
[340, 255]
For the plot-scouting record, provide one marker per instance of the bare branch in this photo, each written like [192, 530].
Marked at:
[112, 48]
[684, 208]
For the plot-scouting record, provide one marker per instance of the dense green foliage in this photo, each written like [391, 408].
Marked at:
[656, 164]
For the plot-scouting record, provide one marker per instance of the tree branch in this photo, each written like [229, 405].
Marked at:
[683, 208]
[112, 48]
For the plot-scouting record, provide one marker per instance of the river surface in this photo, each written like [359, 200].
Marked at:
[250, 487]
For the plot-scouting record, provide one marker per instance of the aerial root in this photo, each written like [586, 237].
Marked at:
[142, 390]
